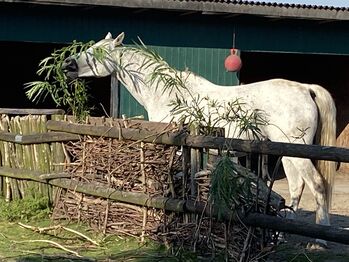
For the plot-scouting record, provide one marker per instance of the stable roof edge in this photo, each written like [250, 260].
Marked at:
[213, 7]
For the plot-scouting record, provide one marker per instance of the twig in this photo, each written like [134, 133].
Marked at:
[43, 229]
[52, 243]
[81, 235]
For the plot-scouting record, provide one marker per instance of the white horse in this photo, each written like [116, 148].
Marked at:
[289, 107]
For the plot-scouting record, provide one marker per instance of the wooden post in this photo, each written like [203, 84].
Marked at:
[114, 96]
[144, 184]
[194, 163]
[185, 168]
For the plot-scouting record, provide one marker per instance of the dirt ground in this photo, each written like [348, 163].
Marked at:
[339, 213]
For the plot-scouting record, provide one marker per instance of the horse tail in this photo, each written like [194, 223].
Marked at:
[325, 135]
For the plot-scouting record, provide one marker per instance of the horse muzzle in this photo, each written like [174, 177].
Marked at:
[70, 68]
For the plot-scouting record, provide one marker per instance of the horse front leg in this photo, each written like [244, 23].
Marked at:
[295, 185]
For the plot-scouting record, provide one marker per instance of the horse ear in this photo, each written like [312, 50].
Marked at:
[118, 41]
[108, 36]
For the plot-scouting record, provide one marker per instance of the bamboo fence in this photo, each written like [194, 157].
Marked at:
[44, 157]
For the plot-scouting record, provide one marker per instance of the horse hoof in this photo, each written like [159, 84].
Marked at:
[318, 245]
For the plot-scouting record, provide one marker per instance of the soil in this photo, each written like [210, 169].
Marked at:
[339, 216]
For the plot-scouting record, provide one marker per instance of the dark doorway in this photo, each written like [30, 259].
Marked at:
[20, 62]
[329, 71]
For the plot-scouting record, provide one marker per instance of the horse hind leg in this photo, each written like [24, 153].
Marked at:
[315, 182]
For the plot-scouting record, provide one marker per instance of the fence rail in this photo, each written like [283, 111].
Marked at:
[338, 154]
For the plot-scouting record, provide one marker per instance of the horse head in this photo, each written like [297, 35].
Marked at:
[99, 60]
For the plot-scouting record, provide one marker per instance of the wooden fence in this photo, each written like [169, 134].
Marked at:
[31, 150]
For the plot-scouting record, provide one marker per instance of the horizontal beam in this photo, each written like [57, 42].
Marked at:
[37, 138]
[318, 152]
[329, 233]
[31, 111]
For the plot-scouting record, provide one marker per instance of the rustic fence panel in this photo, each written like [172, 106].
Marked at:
[36, 148]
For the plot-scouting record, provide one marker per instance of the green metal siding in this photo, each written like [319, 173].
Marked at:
[59, 24]
[206, 62]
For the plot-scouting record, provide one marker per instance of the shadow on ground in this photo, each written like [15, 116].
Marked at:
[299, 248]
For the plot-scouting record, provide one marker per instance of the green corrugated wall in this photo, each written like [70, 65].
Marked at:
[207, 62]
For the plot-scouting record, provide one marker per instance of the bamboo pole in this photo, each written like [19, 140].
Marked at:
[5, 158]
[58, 157]
[19, 155]
[14, 161]
[329, 233]
[29, 158]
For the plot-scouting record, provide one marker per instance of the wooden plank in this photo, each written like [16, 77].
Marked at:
[114, 96]
[37, 138]
[29, 111]
[181, 139]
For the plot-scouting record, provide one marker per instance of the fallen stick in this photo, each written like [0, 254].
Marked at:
[44, 229]
[52, 243]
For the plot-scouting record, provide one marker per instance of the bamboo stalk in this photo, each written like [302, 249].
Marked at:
[46, 156]
[58, 159]
[19, 155]
[6, 161]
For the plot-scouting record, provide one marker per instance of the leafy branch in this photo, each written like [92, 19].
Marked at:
[209, 114]
[229, 187]
[162, 72]
[56, 85]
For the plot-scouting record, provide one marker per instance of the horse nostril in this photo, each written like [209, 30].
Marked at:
[70, 68]
[70, 65]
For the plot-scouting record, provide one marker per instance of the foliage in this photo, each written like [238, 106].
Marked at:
[209, 114]
[64, 93]
[162, 72]
[24, 209]
[229, 188]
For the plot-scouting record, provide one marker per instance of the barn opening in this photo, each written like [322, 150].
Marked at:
[329, 71]
[20, 62]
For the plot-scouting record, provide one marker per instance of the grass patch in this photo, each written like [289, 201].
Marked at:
[20, 244]
[23, 244]
[24, 209]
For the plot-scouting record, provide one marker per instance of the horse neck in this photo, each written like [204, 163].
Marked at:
[137, 82]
